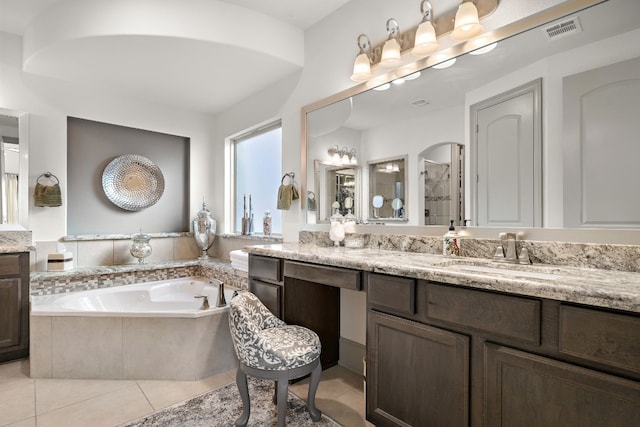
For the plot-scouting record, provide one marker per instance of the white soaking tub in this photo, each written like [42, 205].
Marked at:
[154, 330]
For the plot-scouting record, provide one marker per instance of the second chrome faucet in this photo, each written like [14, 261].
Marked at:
[508, 250]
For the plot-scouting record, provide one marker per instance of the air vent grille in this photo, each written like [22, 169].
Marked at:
[564, 28]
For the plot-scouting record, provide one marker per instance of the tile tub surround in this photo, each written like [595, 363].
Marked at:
[87, 278]
[130, 347]
[134, 348]
[596, 287]
[581, 255]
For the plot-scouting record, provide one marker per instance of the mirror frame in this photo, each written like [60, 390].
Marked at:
[550, 14]
[23, 168]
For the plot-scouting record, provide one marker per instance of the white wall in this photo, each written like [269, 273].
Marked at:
[49, 102]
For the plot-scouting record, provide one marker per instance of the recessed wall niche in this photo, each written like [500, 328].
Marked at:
[91, 146]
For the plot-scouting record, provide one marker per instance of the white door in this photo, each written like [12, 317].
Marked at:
[506, 158]
[601, 172]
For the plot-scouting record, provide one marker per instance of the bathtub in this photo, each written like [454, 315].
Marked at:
[166, 298]
[151, 331]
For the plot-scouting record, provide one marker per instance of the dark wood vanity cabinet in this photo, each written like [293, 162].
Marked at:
[304, 294]
[14, 306]
[444, 355]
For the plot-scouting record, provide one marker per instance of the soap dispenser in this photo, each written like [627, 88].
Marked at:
[451, 242]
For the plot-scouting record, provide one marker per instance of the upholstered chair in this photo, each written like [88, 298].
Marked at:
[268, 348]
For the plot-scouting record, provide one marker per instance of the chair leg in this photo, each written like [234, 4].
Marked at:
[241, 381]
[282, 390]
[311, 397]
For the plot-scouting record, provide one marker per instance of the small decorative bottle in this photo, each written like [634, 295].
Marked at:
[451, 242]
[266, 223]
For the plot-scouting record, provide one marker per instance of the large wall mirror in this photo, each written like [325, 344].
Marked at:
[14, 169]
[583, 177]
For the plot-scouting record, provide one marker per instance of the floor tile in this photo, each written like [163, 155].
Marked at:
[165, 393]
[55, 393]
[14, 373]
[107, 410]
[17, 402]
[28, 422]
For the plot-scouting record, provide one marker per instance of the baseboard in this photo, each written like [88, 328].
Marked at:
[351, 355]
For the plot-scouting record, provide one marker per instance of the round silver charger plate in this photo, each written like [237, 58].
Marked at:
[132, 182]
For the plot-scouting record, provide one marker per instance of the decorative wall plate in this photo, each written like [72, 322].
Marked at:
[132, 182]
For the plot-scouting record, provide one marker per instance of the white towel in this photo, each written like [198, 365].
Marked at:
[239, 260]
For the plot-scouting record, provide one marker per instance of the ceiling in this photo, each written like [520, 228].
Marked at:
[187, 54]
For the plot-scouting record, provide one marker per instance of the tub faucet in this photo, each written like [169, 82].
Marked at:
[221, 299]
[205, 302]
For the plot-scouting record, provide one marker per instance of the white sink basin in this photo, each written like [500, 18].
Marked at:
[506, 271]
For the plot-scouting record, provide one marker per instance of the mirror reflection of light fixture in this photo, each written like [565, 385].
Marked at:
[382, 87]
[391, 50]
[445, 64]
[362, 64]
[342, 156]
[484, 49]
[467, 23]
[425, 40]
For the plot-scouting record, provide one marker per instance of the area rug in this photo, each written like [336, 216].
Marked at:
[221, 407]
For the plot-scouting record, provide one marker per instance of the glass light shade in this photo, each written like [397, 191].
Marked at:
[467, 24]
[485, 49]
[390, 54]
[361, 68]
[426, 42]
[345, 159]
[354, 160]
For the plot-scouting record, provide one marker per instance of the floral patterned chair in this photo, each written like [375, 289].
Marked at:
[268, 348]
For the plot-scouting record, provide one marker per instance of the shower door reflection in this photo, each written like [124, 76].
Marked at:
[442, 170]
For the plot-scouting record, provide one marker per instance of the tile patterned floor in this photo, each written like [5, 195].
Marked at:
[27, 402]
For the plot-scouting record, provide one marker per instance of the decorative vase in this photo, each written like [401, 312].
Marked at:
[140, 248]
[204, 230]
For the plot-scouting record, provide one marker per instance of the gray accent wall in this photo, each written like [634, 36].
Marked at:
[91, 146]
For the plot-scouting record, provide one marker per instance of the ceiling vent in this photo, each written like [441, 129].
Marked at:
[564, 28]
[419, 102]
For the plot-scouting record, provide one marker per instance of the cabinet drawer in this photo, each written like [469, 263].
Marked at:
[269, 294]
[265, 267]
[332, 276]
[393, 293]
[503, 315]
[600, 336]
[9, 265]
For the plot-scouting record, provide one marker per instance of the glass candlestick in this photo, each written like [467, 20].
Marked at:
[140, 248]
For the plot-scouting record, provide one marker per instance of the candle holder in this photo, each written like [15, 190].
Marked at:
[140, 248]
[204, 230]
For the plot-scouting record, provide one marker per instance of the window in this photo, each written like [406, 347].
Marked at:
[257, 163]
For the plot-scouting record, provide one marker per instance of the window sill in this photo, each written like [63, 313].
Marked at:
[259, 237]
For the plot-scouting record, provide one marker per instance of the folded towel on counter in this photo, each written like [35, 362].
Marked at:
[239, 260]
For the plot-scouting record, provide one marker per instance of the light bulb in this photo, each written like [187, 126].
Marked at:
[426, 42]
[390, 54]
[467, 23]
[361, 68]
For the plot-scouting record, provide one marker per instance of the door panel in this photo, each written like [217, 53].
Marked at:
[506, 148]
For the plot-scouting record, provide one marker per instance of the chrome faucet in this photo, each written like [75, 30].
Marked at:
[221, 299]
[510, 254]
[205, 302]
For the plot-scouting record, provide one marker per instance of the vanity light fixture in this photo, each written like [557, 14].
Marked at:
[425, 39]
[382, 87]
[362, 64]
[467, 23]
[391, 50]
[342, 156]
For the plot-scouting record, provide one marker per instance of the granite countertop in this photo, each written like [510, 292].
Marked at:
[602, 288]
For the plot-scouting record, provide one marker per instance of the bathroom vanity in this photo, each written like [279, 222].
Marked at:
[14, 306]
[464, 341]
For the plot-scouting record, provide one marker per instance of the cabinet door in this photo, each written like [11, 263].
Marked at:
[417, 375]
[528, 390]
[10, 313]
[269, 294]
